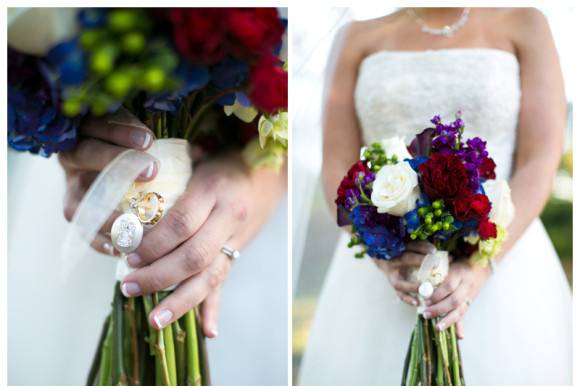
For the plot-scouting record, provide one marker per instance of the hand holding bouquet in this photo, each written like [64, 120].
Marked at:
[442, 190]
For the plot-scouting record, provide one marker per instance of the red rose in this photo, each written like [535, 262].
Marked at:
[349, 181]
[444, 177]
[269, 85]
[199, 33]
[475, 206]
[254, 30]
[487, 169]
[487, 229]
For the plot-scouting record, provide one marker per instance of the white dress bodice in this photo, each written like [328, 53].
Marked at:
[398, 92]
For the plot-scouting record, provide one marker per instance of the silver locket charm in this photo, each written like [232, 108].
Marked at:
[126, 233]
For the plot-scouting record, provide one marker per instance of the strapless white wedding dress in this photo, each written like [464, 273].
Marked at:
[54, 324]
[518, 331]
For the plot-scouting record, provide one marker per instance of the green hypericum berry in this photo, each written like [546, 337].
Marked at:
[122, 20]
[118, 84]
[448, 219]
[437, 204]
[154, 78]
[91, 38]
[423, 236]
[133, 42]
[438, 212]
[422, 211]
[446, 226]
[103, 59]
[413, 236]
[428, 220]
[72, 107]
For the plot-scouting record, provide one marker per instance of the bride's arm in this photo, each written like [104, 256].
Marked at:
[541, 122]
[539, 145]
[342, 136]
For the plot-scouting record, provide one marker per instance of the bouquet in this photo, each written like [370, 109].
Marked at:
[212, 77]
[438, 189]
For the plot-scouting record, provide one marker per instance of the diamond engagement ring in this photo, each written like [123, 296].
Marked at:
[230, 252]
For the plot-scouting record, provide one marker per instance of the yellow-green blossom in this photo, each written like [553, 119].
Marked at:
[271, 156]
[274, 127]
[246, 114]
[488, 249]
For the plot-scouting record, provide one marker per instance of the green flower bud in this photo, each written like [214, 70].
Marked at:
[91, 38]
[154, 79]
[103, 59]
[118, 84]
[133, 42]
[72, 107]
[122, 20]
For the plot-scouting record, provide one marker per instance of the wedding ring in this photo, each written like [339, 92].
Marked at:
[230, 252]
[126, 233]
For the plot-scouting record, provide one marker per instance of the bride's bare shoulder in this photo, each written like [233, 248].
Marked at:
[362, 36]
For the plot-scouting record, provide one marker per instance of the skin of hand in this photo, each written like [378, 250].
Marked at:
[225, 203]
[542, 118]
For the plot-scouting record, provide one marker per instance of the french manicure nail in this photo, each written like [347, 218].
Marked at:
[108, 248]
[162, 318]
[414, 302]
[134, 260]
[147, 173]
[214, 333]
[441, 326]
[130, 289]
[140, 138]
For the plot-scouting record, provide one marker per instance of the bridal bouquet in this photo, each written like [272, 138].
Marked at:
[439, 189]
[209, 76]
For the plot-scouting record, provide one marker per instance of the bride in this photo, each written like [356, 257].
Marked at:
[500, 68]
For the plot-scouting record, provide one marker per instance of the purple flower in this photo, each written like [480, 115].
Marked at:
[473, 153]
[447, 136]
[35, 123]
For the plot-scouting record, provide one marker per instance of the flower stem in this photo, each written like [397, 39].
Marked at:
[454, 357]
[119, 376]
[180, 359]
[413, 363]
[106, 357]
[170, 354]
[134, 340]
[193, 369]
[160, 351]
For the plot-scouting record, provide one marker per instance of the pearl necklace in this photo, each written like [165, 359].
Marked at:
[447, 30]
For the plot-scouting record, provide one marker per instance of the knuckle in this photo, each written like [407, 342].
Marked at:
[215, 183]
[215, 278]
[455, 302]
[154, 283]
[239, 210]
[196, 257]
[180, 222]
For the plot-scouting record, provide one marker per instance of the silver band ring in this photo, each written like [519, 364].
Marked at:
[230, 252]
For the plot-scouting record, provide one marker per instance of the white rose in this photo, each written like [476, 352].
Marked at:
[395, 189]
[35, 31]
[502, 207]
[396, 146]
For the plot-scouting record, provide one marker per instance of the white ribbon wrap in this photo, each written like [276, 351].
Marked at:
[430, 275]
[115, 184]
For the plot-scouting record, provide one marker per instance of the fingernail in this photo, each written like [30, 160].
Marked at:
[134, 260]
[108, 248]
[124, 117]
[162, 318]
[441, 326]
[130, 289]
[213, 333]
[148, 173]
[140, 138]
[414, 302]
[427, 314]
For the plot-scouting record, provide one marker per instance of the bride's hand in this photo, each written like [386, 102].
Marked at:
[397, 270]
[453, 296]
[100, 141]
[184, 247]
